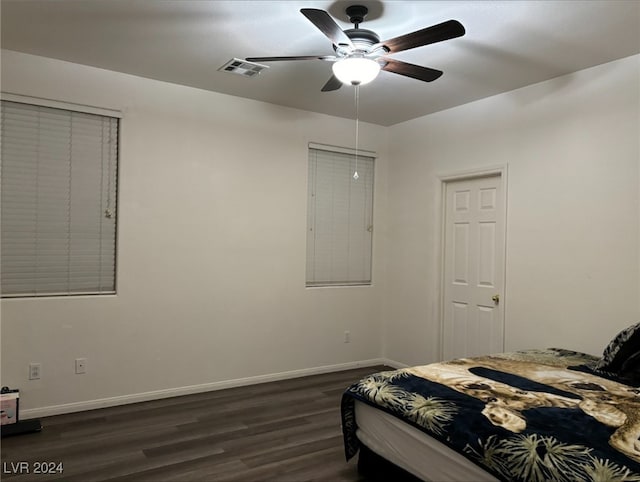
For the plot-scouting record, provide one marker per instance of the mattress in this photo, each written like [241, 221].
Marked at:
[413, 450]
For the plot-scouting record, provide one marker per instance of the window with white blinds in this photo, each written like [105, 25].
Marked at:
[58, 201]
[339, 217]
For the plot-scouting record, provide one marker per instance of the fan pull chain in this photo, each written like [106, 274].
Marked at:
[357, 88]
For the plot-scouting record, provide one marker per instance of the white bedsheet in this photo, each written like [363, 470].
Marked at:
[413, 450]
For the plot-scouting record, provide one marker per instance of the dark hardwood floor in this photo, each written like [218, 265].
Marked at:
[287, 431]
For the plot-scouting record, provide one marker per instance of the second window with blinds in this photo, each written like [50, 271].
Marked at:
[339, 218]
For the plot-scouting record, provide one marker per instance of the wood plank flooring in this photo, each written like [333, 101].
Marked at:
[282, 431]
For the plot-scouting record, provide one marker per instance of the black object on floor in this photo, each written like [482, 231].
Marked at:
[378, 469]
[25, 426]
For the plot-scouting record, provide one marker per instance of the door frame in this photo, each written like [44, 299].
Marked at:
[464, 175]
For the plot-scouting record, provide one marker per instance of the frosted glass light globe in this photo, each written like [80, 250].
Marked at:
[356, 70]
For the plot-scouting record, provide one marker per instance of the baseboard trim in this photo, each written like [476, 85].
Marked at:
[191, 389]
[394, 364]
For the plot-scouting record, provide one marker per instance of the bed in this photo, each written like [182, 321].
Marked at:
[533, 415]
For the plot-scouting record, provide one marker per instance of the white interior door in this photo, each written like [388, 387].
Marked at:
[473, 321]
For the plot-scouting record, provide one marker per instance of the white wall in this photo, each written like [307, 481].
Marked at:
[573, 245]
[212, 239]
[212, 242]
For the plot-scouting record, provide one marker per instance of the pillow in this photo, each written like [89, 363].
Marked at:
[630, 370]
[622, 354]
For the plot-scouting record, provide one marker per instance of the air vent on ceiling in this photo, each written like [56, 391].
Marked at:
[242, 67]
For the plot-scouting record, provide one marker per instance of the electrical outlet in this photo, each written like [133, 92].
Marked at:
[81, 366]
[347, 336]
[35, 370]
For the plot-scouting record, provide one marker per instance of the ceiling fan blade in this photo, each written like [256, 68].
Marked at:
[410, 70]
[327, 26]
[300, 57]
[332, 84]
[430, 35]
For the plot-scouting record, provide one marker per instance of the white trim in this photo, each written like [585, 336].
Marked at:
[395, 364]
[191, 389]
[498, 170]
[474, 173]
[343, 150]
[56, 104]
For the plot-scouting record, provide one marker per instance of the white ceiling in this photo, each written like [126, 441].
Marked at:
[508, 44]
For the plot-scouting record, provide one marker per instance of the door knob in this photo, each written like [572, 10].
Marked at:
[496, 299]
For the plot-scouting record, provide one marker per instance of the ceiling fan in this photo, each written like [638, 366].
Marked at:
[359, 54]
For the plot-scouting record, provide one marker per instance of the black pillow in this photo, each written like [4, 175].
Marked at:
[630, 369]
[622, 354]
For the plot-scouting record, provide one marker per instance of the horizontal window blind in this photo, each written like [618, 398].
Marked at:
[339, 217]
[58, 180]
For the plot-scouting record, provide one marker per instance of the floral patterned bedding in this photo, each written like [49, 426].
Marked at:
[536, 415]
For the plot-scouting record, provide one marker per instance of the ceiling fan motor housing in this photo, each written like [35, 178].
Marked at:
[362, 36]
[361, 39]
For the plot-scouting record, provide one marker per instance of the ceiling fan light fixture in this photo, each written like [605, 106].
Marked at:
[356, 70]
